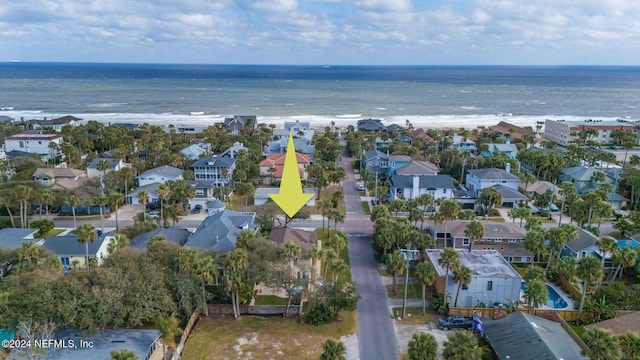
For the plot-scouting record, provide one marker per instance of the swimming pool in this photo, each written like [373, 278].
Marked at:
[555, 301]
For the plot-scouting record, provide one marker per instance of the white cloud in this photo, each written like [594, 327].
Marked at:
[276, 6]
[384, 5]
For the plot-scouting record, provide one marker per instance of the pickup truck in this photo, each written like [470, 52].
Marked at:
[455, 322]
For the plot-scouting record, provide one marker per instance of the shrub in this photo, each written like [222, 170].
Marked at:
[494, 212]
[318, 315]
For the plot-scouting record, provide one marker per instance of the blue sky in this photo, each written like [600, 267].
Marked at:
[424, 32]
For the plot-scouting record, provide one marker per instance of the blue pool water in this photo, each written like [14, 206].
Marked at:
[555, 301]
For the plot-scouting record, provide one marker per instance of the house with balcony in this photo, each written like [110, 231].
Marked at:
[463, 144]
[493, 279]
[34, 142]
[217, 169]
[505, 238]
[301, 266]
[272, 168]
[412, 186]
[56, 124]
[375, 161]
[509, 131]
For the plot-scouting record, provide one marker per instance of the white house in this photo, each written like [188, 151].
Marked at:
[262, 195]
[57, 124]
[480, 179]
[160, 175]
[68, 249]
[217, 169]
[493, 280]
[150, 189]
[411, 187]
[113, 165]
[34, 142]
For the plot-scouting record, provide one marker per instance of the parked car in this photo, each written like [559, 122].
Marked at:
[455, 322]
[99, 232]
[153, 214]
[360, 187]
[197, 209]
[553, 207]
[153, 206]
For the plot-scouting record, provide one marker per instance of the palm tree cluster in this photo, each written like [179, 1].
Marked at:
[602, 345]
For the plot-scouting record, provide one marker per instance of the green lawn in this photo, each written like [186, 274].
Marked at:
[414, 291]
[344, 276]
[578, 329]
[365, 207]
[497, 219]
[270, 300]
[54, 232]
[263, 338]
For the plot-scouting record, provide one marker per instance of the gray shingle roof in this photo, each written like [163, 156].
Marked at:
[492, 173]
[11, 238]
[94, 163]
[526, 337]
[68, 245]
[165, 170]
[219, 232]
[509, 194]
[216, 161]
[372, 154]
[585, 239]
[418, 167]
[579, 173]
[426, 181]
[370, 125]
[173, 235]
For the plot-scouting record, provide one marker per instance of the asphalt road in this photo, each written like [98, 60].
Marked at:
[376, 335]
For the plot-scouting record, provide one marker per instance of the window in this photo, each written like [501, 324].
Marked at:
[21, 144]
[465, 287]
[497, 240]
[199, 192]
[444, 191]
[489, 285]
[465, 241]
[512, 240]
[65, 261]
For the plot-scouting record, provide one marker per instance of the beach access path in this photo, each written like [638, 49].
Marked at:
[376, 333]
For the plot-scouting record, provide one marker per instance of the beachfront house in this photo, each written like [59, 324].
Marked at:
[422, 138]
[217, 169]
[508, 239]
[494, 281]
[412, 186]
[35, 142]
[463, 144]
[160, 175]
[370, 126]
[239, 122]
[566, 132]
[219, 232]
[509, 131]
[56, 124]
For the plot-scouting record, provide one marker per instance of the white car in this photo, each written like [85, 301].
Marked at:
[153, 214]
[360, 186]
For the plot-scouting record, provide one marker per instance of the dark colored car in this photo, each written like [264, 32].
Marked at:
[197, 209]
[455, 322]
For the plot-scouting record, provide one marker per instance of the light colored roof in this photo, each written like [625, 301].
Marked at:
[503, 148]
[219, 232]
[483, 263]
[516, 133]
[492, 173]
[193, 152]
[34, 136]
[585, 239]
[540, 187]
[491, 230]
[508, 194]
[165, 170]
[400, 158]
[173, 235]
[370, 154]
[580, 172]
[69, 184]
[418, 167]
[263, 193]
[620, 325]
[425, 181]
[149, 188]
[306, 239]
[58, 173]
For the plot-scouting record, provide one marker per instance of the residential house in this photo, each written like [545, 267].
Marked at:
[394, 127]
[396, 162]
[467, 199]
[60, 178]
[233, 150]
[238, 122]
[502, 180]
[34, 142]
[370, 125]
[215, 206]
[160, 175]
[56, 124]
[144, 343]
[539, 188]
[276, 162]
[509, 131]
[150, 189]
[376, 161]
[193, 152]
[418, 167]
[509, 149]
[171, 235]
[526, 337]
[582, 177]
[463, 144]
[493, 280]
[620, 325]
[421, 136]
[584, 245]
[70, 251]
[411, 187]
[187, 129]
[219, 232]
[217, 169]
[113, 165]
[204, 190]
[261, 195]
[296, 128]
[563, 132]
[306, 239]
[13, 238]
[280, 145]
[381, 144]
[502, 237]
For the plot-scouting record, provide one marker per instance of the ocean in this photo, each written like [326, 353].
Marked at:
[437, 96]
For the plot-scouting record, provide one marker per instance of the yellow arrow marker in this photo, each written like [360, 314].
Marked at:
[290, 198]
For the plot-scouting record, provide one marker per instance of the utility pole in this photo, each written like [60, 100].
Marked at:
[408, 255]
[376, 184]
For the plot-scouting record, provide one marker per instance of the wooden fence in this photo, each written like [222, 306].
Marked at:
[260, 310]
[185, 335]
[569, 288]
[567, 315]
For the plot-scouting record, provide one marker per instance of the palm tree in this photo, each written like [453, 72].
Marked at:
[101, 201]
[589, 271]
[449, 260]
[625, 258]
[124, 354]
[607, 245]
[143, 199]
[169, 327]
[329, 256]
[536, 294]
[474, 231]
[235, 265]
[164, 193]
[426, 275]
[534, 242]
[46, 197]
[438, 218]
[314, 254]
[489, 198]
[396, 263]
[462, 275]
[114, 200]
[7, 204]
[337, 241]
[462, 345]
[120, 241]
[23, 194]
[325, 206]
[601, 345]
[73, 201]
[449, 210]
[205, 270]
[86, 233]
[28, 251]
[333, 350]
[422, 346]
[290, 252]
[629, 345]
